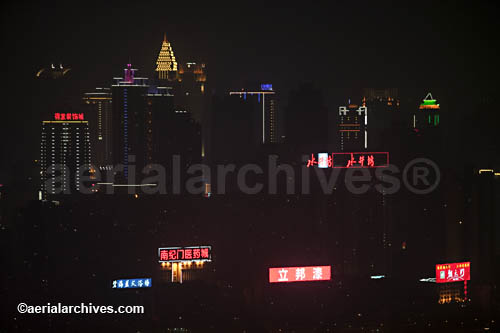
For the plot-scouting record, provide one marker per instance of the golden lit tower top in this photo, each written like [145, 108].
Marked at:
[166, 65]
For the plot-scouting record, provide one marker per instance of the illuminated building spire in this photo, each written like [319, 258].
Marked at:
[166, 65]
[129, 74]
[429, 103]
[428, 115]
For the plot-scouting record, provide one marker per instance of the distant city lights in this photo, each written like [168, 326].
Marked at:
[433, 280]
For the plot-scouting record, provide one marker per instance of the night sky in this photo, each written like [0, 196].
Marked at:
[447, 48]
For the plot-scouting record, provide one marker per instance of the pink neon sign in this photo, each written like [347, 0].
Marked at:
[350, 160]
[453, 272]
[68, 116]
[299, 274]
[179, 254]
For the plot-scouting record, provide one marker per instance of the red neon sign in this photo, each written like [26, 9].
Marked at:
[190, 253]
[453, 272]
[350, 160]
[298, 274]
[68, 116]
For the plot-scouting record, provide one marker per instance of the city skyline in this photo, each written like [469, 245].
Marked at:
[250, 168]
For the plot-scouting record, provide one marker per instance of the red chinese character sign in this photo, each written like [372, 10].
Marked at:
[68, 116]
[182, 254]
[453, 272]
[297, 274]
[349, 160]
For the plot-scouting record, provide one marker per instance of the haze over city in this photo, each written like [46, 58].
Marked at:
[250, 168]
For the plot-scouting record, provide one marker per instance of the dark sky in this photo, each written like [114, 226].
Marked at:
[345, 46]
[347, 43]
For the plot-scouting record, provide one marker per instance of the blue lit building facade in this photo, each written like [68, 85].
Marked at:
[131, 125]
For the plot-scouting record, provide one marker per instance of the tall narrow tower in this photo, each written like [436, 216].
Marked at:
[131, 123]
[98, 106]
[166, 65]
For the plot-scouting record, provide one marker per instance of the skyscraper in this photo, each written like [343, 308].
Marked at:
[98, 111]
[353, 127]
[386, 123]
[188, 83]
[306, 116]
[173, 130]
[427, 115]
[191, 96]
[190, 92]
[166, 65]
[65, 154]
[427, 133]
[131, 123]
[265, 110]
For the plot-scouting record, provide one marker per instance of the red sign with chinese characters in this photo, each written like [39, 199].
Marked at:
[297, 274]
[350, 160]
[68, 116]
[453, 272]
[189, 253]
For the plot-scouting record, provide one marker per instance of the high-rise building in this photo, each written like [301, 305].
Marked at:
[306, 117]
[190, 91]
[188, 83]
[65, 154]
[427, 115]
[131, 123]
[160, 104]
[353, 127]
[480, 225]
[191, 96]
[171, 132]
[265, 110]
[235, 124]
[193, 75]
[98, 106]
[427, 133]
[386, 123]
[166, 65]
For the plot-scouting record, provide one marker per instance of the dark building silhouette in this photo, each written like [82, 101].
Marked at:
[235, 124]
[174, 132]
[306, 116]
[386, 124]
[481, 233]
[265, 102]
